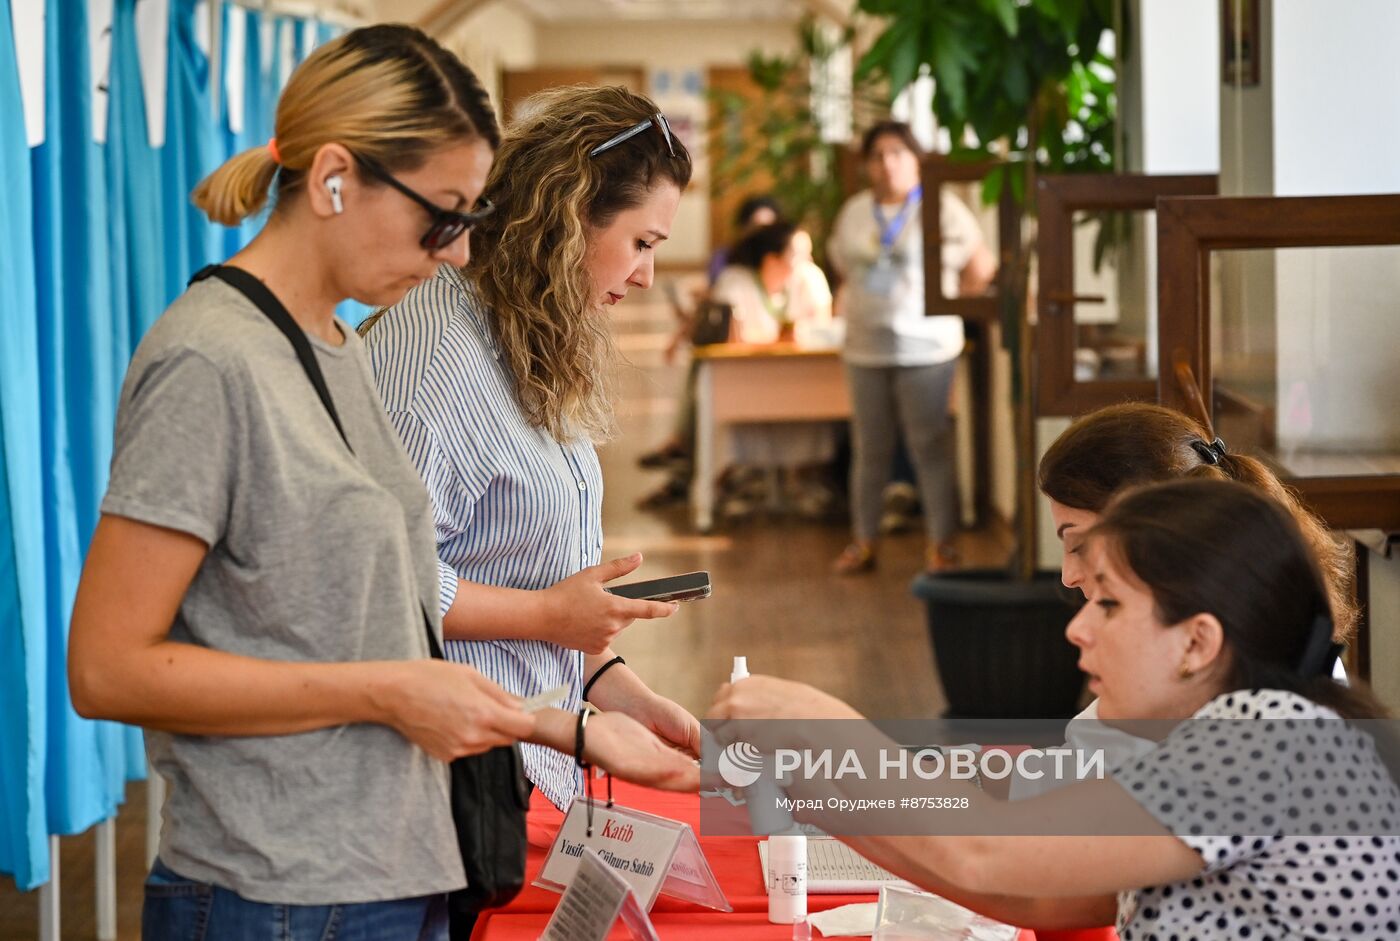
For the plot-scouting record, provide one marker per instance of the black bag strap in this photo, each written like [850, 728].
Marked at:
[267, 302]
[264, 300]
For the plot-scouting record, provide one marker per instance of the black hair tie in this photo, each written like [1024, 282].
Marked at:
[1211, 452]
[1319, 653]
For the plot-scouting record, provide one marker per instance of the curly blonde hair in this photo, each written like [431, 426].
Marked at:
[528, 258]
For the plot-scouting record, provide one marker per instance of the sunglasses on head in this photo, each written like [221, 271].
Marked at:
[657, 121]
[448, 225]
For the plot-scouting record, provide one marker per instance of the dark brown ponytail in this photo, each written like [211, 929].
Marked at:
[1140, 443]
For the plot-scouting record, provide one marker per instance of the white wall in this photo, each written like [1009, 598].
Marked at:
[673, 46]
[1324, 120]
[661, 44]
[1336, 113]
[494, 38]
[1178, 47]
[1336, 130]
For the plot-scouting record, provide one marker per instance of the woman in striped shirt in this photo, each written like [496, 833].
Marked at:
[494, 376]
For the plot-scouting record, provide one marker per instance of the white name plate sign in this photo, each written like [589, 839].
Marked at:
[655, 855]
[592, 902]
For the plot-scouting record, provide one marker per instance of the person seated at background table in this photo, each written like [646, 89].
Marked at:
[771, 294]
[1267, 814]
[769, 286]
[1137, 443]
[494, 374]
[900, 362]
[260, 592]
[754, 213]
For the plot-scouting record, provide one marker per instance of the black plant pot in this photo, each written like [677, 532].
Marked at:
[1000, 644]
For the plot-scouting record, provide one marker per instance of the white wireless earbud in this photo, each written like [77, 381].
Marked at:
[333, 187]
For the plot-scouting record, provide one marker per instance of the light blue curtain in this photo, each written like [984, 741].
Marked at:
[302, 30]
[261, 87]
[23, 712]
[85, 765]
[190, 153]
[137, 256]
[95, 241]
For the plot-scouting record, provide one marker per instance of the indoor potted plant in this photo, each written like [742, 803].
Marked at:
[1024, 82]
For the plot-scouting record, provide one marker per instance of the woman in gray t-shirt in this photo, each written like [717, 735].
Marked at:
[256, 591]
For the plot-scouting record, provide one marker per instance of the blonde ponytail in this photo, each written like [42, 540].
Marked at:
[239, 188]
[388, 93]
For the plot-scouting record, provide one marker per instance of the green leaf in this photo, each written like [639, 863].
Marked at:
[877, 59]
[904, 62]
[1016, 82]
[947, 56]
[1071, 15]
[1005, 11]
[992, 184]
[1017, 172]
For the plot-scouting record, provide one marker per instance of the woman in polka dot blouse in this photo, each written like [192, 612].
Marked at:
[1265, 809]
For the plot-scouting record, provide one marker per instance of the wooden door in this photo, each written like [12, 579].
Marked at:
[519, 84]
[735, 110]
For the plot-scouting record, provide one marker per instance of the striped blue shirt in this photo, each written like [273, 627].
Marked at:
[512, 507]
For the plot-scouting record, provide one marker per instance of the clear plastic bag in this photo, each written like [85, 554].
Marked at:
[909, 915]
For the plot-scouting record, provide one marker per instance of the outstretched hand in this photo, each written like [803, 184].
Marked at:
[767, 697]
[622, 746]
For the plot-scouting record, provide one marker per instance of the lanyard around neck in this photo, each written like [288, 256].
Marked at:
[890, 229]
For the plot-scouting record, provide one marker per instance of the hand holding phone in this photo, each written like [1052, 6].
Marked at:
[691, 586]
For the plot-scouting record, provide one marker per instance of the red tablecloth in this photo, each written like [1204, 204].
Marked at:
[734, 860]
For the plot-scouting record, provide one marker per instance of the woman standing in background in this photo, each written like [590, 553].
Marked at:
[899, 361]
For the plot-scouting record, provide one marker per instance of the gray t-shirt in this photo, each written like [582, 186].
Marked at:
[315, 555]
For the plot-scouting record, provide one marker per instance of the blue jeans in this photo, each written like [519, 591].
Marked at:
[180, 909]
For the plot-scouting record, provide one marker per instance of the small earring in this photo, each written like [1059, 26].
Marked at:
[1183, 671]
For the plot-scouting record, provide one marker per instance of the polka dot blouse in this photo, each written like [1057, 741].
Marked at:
[1306, 819]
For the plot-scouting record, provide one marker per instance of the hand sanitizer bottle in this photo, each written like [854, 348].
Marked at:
[787, 879]
[765, 814]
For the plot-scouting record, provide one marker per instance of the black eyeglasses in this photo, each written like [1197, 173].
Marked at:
[448, 225]
[656, 120]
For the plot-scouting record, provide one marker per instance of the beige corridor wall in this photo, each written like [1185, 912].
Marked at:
[497, 37]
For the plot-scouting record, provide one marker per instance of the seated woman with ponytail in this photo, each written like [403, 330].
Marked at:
[1138, 443]
[1262, 810]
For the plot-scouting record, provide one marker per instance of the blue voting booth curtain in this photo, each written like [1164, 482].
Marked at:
[190, 153]
[85, 762]
[133, 174]
[22, 598]
[95, 241]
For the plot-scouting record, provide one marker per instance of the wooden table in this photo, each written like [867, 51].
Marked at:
[737, 383]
